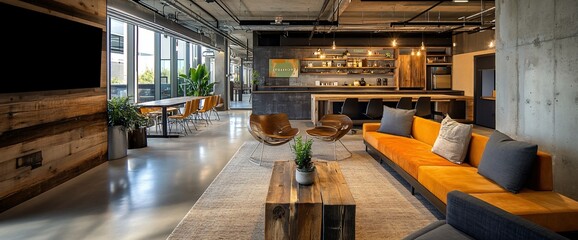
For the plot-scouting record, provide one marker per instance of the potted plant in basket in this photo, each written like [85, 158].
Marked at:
[137, 136]
[123, 116]
[305, 172]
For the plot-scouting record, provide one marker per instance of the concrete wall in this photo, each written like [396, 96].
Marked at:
[537, 95]
[463, 71]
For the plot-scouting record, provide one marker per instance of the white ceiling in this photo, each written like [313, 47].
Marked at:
[231, 17]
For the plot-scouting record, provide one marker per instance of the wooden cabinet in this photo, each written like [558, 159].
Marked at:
[412, 71]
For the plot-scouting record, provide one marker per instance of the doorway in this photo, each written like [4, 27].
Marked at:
[485, 90]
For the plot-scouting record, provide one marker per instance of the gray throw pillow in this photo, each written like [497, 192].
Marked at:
[453, 140]
[507, 162]
[396, 121]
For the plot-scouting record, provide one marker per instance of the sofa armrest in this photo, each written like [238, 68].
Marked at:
[371, 127]
[481, 220]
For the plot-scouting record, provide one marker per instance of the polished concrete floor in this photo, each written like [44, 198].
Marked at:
[245, 104]
[142, 196]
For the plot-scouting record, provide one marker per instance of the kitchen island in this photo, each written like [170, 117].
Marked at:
[298, 103]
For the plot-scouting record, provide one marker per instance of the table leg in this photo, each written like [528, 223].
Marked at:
[165, 122]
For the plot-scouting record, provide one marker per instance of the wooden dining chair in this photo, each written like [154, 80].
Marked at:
[154, 114]
[217, 103]
[181, 119]
[205, 110]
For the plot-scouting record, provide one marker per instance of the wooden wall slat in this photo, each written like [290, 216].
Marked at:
[69, 127]
[79, 136]
[45, 172]
[29, 113]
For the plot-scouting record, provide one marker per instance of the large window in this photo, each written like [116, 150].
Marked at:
[166, 66]
[118, 58]
[145, 65]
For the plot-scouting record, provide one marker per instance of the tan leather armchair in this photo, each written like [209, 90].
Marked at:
[331, 128]
[270, 129]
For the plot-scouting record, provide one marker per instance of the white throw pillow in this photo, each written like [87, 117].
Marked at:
[453, 140]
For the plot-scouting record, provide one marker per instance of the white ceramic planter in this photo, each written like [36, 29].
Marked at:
[304, 178]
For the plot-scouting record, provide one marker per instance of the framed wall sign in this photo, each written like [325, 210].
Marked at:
[283, 67]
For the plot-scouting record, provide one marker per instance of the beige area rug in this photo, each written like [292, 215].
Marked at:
[233, 206]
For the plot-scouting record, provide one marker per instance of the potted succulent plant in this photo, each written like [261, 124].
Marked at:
[123, 116]
[305, 172]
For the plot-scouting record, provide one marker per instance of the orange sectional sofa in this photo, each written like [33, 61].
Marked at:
[433, 176]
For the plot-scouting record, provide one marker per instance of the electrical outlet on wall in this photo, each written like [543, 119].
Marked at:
[34, 160]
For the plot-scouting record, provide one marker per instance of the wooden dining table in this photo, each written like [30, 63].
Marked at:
[164, 104]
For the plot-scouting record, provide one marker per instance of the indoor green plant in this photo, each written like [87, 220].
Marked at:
[255, 79]
[197, 81]
[123, 116]
[305, 171]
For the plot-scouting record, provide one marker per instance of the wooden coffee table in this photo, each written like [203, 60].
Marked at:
[323, 210]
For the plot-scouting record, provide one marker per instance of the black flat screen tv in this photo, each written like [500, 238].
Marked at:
[41, 52]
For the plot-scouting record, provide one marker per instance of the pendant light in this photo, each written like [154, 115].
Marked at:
[333, 46]
[412, 52]
[422, 45]
[394, 43]
[369, 52]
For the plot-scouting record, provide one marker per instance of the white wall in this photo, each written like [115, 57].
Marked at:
[463, 71]
[537, 95]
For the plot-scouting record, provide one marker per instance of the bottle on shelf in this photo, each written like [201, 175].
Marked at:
[362, 82]
[378, 83]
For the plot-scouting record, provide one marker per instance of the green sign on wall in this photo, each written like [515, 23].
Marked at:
[283, 67]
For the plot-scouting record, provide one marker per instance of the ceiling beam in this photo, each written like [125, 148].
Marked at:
[424, 11]
[289, 22]
[447, 23]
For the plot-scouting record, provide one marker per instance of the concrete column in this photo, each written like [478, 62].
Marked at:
[221, 70]
[537, 80]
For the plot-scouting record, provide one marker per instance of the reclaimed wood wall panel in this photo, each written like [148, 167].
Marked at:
[67, 128]
[412, 71]
[25, 113]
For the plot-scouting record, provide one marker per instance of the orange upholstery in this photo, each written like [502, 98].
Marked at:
[425, 130]
[440, 180]
[546, 208]
[439, 176]
[476, 149]
[410, 154]
[370, 127]
[541, 178]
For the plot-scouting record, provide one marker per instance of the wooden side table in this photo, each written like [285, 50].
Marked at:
[323, 210]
